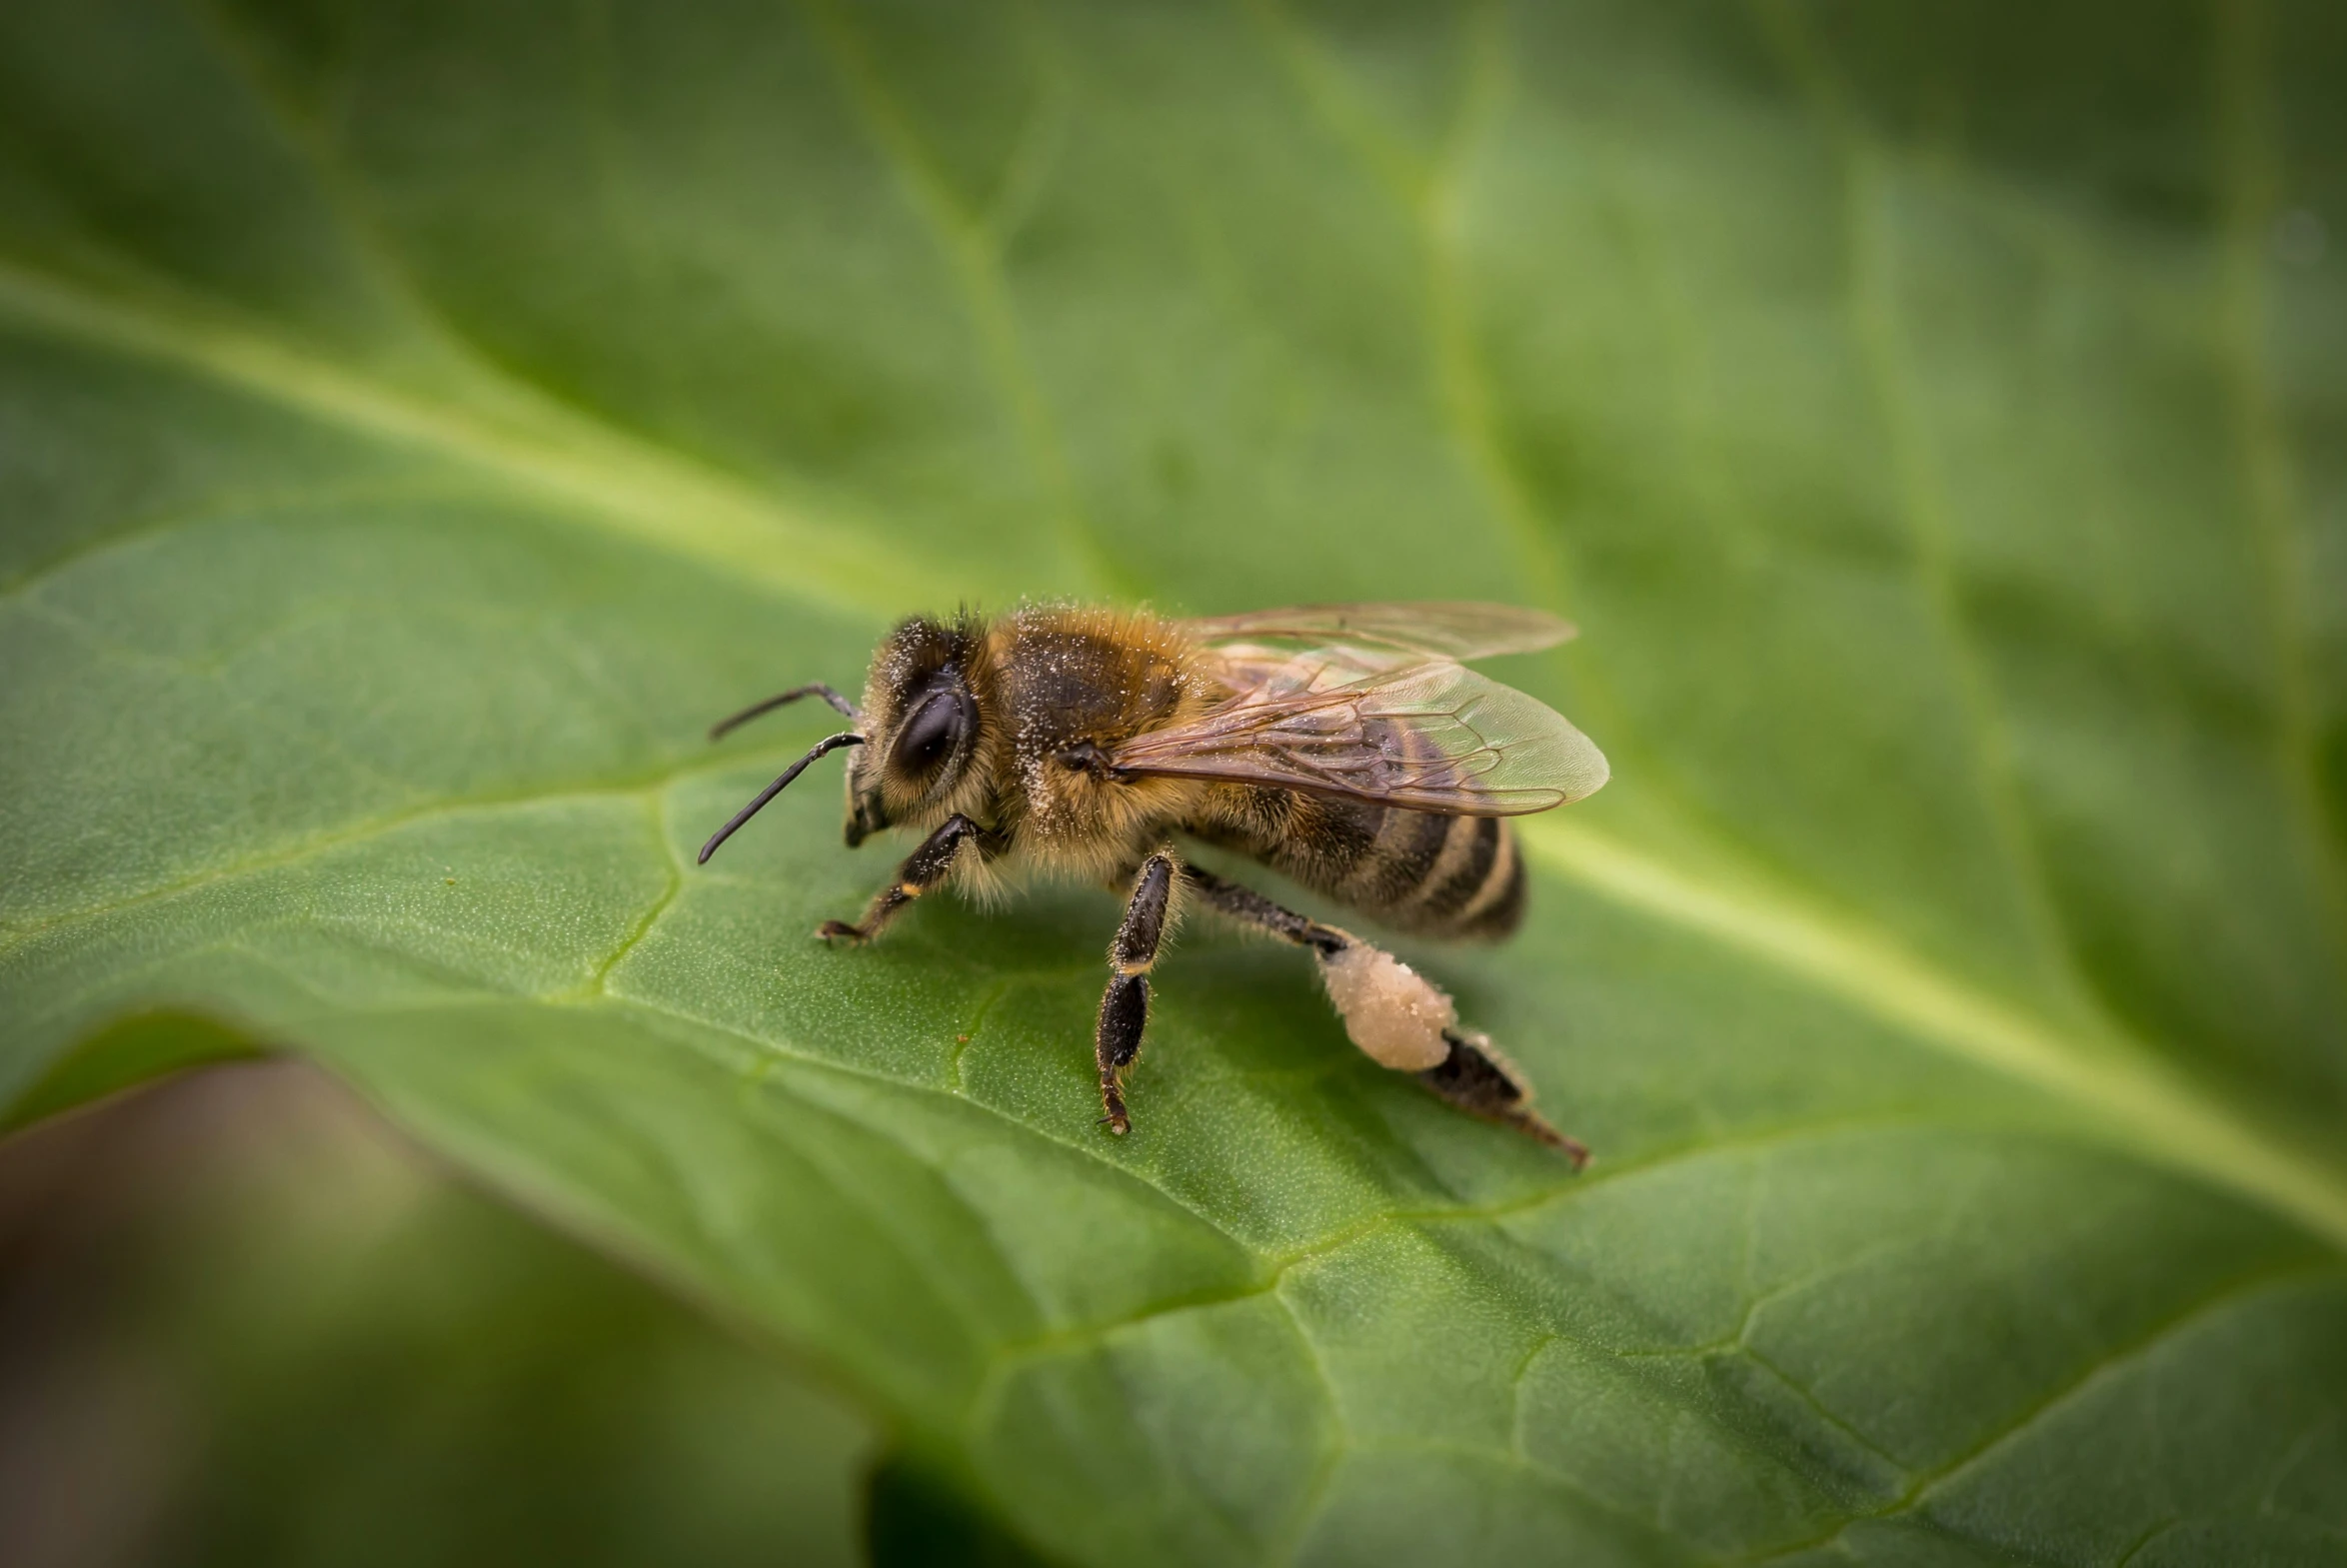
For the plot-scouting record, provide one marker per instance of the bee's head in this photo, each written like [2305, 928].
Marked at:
[920, 724]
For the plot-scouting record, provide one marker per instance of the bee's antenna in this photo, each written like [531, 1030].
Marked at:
[830, 742]
[719, 730]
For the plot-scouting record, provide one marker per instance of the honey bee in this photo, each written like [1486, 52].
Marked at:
[1345, 747]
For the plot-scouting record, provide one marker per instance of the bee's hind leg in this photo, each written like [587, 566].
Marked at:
[923, 869]
[1477, 1079]
[1398, 1017]
[1125, 1006]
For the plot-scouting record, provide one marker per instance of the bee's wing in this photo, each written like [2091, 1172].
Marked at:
[1444, 629]
[1421, 732]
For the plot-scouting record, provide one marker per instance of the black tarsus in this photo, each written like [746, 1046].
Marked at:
[828, 744]
[1124, 1012]
[1470, 1079]
[923, 869]
[1124, 1006]
[723, 727]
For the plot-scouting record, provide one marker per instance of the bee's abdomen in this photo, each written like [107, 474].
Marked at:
[1475, 886]
[1453, 876]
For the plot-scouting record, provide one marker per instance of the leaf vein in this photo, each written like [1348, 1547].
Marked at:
[2261, 439]
[601, 475]
[2155, 1112]
[973, 252]
[2227, 1296]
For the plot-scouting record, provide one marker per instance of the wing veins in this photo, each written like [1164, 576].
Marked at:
[1317, 721]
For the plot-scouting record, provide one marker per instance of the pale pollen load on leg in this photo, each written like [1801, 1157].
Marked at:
[1393, 1013]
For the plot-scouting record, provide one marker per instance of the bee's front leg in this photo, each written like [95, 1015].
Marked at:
[1124, 1006]
[923, 869]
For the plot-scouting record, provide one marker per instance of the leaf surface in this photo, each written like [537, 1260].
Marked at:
[417, 422]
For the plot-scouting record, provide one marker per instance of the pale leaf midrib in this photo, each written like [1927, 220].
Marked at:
[2149, 1106]
[608, 477]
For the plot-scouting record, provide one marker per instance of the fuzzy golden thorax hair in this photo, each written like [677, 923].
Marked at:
[979, 716]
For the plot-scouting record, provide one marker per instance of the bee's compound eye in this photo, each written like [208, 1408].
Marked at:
[933, 732]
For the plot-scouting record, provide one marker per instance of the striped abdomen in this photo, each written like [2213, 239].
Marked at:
[1459, 876]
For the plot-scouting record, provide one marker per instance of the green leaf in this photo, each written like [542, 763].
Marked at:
[417, 422]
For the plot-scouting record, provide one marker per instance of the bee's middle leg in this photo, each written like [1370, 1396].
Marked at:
[1125, 1006]
[1398, 1018]
[923, 869]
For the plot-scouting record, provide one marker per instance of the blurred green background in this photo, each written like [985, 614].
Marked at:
[244, 1324]
[417, 420]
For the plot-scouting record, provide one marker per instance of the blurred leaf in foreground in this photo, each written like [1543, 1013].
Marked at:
[244, 1326]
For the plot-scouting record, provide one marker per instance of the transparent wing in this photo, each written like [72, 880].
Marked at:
[1458, 629]
[1425, 734]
